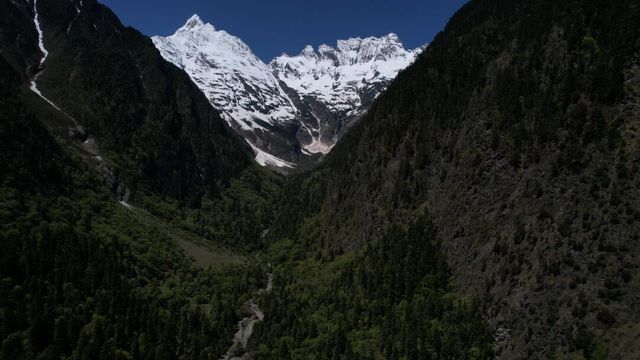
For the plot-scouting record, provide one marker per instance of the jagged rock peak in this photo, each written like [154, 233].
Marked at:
[308, 51]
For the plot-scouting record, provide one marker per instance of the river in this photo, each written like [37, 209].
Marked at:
[238, 350]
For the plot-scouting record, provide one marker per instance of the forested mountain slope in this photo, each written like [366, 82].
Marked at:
[152, 125]
[488, 204]
[517, 131]
[83, 276]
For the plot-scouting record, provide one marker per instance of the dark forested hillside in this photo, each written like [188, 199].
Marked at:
[156, 128]
[390, 300]
[487, 206]
[24, 140]
[518, 130]
[18, 36]
[81, 275]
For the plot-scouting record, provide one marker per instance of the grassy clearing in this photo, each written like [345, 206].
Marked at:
[206, 257]
[203, 252]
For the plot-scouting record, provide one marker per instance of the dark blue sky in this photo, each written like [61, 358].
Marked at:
[271, 27]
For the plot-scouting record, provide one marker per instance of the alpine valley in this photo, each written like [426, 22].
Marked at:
[293, 110]
[475, 199]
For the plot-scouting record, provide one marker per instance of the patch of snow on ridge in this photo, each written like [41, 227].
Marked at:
[265, 159]
[126, 205]
[36, 21]
[45, 54]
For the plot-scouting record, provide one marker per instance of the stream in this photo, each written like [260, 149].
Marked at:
[238, 351]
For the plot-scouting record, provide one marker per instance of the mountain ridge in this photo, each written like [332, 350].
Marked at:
[286, 116]
[133, 94]
[487, 205]
[516, 131]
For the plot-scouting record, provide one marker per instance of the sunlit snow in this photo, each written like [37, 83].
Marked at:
[248, 92]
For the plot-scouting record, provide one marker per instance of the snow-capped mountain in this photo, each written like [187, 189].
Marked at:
[236, 82]
[296, 107]
[332, 87]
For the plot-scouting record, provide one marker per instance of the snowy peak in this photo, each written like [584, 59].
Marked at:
[232, 77]
[236, 82]
[358, 50]
[353, 51]
[193, 22]
[295, 107]
[334, 86]
[337, 76]
[308, 51]
[195, 25]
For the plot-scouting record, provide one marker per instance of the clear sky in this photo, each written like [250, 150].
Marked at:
[273, 27]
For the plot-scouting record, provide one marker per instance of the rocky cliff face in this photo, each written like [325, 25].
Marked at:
[295, 109]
